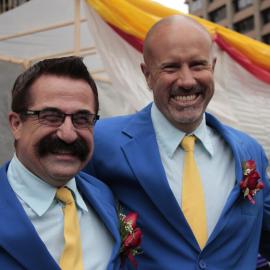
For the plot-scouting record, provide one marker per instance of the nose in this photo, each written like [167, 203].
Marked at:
[67, 132]
[186, 78]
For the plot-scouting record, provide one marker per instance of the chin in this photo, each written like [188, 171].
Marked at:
[187, 124]
[190, 116]
[64, 174]
[60, 180]
[188, 120]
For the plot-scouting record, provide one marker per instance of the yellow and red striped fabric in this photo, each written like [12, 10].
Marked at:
[131, 19]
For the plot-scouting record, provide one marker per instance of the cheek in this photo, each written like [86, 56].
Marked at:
[163, 84]
[31, 137]
[87, 136]
[28, 139]
[210, 89]
[206, 79]
[91, 147]
[90, 143]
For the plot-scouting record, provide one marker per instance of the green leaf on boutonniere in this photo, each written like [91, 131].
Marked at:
[246, 192]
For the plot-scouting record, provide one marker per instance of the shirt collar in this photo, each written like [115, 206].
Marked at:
[170, 137]
[202, 133]
[25, 184]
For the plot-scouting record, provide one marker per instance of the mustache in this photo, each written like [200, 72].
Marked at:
[192, 90]
[51, 144]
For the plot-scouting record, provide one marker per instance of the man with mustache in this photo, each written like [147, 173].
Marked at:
[52, 215]
[180, 168]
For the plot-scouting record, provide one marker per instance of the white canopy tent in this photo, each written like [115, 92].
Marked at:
[241, 99]
[42, 29]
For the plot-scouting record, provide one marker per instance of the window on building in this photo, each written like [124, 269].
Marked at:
[245, 25]
[266, 39]
[196, 5]
[6, 5]
[241, 4]
[266, 16]
[218, 14]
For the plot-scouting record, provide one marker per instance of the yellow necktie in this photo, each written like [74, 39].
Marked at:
[71, 258]
[193, 204]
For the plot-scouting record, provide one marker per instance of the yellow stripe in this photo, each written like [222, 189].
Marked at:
[135, 17]
[256, 51]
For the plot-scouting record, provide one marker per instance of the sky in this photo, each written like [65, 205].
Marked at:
[176, 4]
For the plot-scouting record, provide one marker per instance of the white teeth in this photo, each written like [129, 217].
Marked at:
[62, 152]
[185, 98]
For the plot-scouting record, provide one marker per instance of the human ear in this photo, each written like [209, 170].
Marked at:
[214, 63]
[147, 74]
[15, 124]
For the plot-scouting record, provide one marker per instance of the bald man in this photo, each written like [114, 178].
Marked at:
[141, 158]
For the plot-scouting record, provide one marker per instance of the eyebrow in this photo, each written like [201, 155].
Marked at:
[54, 109]
[201, 61]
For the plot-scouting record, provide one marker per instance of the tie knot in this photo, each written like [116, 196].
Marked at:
[64, 195]
[188, 143]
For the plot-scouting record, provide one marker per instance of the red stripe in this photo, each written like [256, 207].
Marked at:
[257, 71]
[133, 41]
[245, 62]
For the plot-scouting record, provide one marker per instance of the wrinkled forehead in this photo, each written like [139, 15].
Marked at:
[61, 92]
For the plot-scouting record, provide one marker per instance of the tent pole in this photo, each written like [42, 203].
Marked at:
[101, 79]
[77, 27]
[40, 30]
[83, 52]
[12, 59]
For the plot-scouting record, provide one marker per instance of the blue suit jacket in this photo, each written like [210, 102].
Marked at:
[21, 247]
[127, 158]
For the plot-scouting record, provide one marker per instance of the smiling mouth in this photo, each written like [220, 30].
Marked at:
[62, 152]
[64, 156]
[186, 100]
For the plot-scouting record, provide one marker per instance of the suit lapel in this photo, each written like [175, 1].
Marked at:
[17, 234]
[150, 173]
[104, 209]
[239, 156]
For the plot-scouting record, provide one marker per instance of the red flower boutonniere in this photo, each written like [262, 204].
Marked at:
[131, 238]
[250, 183]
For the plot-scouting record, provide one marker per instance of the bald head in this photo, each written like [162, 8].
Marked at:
[169, 27]
[178, 67]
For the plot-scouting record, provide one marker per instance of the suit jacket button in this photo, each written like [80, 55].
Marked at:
[202, 264]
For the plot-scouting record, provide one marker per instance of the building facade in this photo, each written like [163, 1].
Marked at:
[6, 5]
[249, 17]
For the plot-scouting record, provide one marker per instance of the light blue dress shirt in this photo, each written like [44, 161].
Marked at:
[46, 214]
[213, 157]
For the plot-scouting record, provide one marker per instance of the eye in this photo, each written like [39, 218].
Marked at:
[172, 67]
[199, 65]
[82, 118]
[50, 116]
